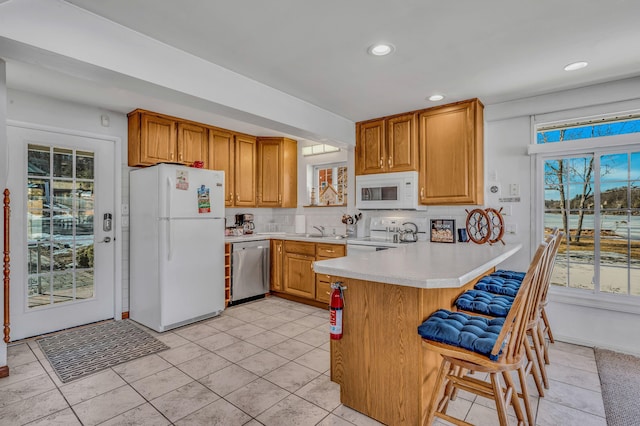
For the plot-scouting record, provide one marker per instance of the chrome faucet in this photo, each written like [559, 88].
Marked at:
[321, 229]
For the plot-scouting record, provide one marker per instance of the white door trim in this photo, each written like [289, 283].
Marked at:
[117, 202]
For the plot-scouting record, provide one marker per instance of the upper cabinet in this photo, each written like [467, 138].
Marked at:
[222, 157]
[277, 172]
[152, 139]
[387, 145]
[192, 144]
[451, 150]
[155, 138]
[234, 154]
[445, 144]
[245, 171]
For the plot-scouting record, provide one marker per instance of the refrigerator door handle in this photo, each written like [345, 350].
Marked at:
[168, 198]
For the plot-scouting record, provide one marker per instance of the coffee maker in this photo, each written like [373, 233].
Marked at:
[245, 221]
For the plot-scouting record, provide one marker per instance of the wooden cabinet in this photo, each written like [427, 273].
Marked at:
[152, 138]
[323, 281]
[227, 274]
[156, 138]
[387, 145]
[451, 149]
[234, 154]
[245, 171]
[277, 255]
[292, 269]
[221, 157]
[192, 144]
[299, 278]
[277, 172]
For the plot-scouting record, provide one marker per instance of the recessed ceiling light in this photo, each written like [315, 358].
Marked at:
[380, 49]
[435, 98]
[575, 66]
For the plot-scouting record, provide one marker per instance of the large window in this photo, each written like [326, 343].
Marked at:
[594, 196]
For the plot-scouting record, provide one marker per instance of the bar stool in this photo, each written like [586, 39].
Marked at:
[486, 345]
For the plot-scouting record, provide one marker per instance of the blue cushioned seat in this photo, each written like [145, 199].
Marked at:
[504, 273]
[485, 303]
[498, 285]
[473, 333]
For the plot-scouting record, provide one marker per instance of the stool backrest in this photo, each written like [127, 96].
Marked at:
[515, 324]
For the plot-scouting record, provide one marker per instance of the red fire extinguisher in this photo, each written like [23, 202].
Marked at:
[335, 310]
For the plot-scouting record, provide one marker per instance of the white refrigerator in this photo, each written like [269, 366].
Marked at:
[176, 259]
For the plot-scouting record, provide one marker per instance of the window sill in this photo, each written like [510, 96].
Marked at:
[628, 304]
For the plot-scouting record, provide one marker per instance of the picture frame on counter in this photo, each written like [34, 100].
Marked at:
[443, 231]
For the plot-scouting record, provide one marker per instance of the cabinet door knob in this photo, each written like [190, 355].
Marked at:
[390, 162]
[230, 196]
[180, 156]
[279, 198]
[422, 192]
[381, 162]
[238, 197]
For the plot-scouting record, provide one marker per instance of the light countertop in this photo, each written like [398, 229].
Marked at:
[330, 239]
[421, 265]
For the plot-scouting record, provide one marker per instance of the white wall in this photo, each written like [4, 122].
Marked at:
[506, 140]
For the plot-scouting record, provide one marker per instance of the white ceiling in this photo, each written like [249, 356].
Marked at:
[496, 50]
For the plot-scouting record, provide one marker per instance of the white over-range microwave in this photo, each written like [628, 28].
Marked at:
[387, 191]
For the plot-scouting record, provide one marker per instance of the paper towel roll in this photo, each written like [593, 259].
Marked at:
[300, 224]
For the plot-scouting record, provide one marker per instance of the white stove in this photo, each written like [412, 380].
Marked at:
[385, 234]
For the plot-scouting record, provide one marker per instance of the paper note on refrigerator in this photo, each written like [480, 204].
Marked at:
[204, 200]
[182, 179]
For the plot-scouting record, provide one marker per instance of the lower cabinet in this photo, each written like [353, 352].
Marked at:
[299, 278]
[292, 268]
[277, 254]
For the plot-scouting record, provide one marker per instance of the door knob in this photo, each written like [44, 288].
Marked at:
[106, 240]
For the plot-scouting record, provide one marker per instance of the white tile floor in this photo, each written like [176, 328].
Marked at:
[261, 363]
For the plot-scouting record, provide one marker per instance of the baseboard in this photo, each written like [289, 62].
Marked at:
[125, 315]
[4, 371]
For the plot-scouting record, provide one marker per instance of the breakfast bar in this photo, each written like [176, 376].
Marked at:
[380, 363]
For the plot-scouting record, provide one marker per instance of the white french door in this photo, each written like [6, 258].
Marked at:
[62, 241]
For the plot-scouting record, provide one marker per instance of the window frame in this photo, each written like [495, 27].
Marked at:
[597, 147]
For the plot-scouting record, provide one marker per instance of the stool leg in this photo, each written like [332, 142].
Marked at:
[525, 394]
[437, 388]
[545, 350]
[499, 396]
[547, 326]
[538, 350]
[533, 367]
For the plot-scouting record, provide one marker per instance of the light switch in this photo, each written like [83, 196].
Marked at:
[125, 209]
[125, 221]
[511, 228]
[514, 190]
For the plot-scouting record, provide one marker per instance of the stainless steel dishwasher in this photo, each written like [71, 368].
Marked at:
[249, 270]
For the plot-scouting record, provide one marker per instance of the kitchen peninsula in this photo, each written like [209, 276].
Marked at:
[380, 363]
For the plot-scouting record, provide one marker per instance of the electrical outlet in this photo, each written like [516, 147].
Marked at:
[125, 209]
[511, 228]
[514, 190]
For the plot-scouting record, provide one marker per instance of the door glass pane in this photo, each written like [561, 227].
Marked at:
[38, 161]
[84, 165]
[62, 162]
[60, 226]
[39, 290]
[84, 283]
[63, 287]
